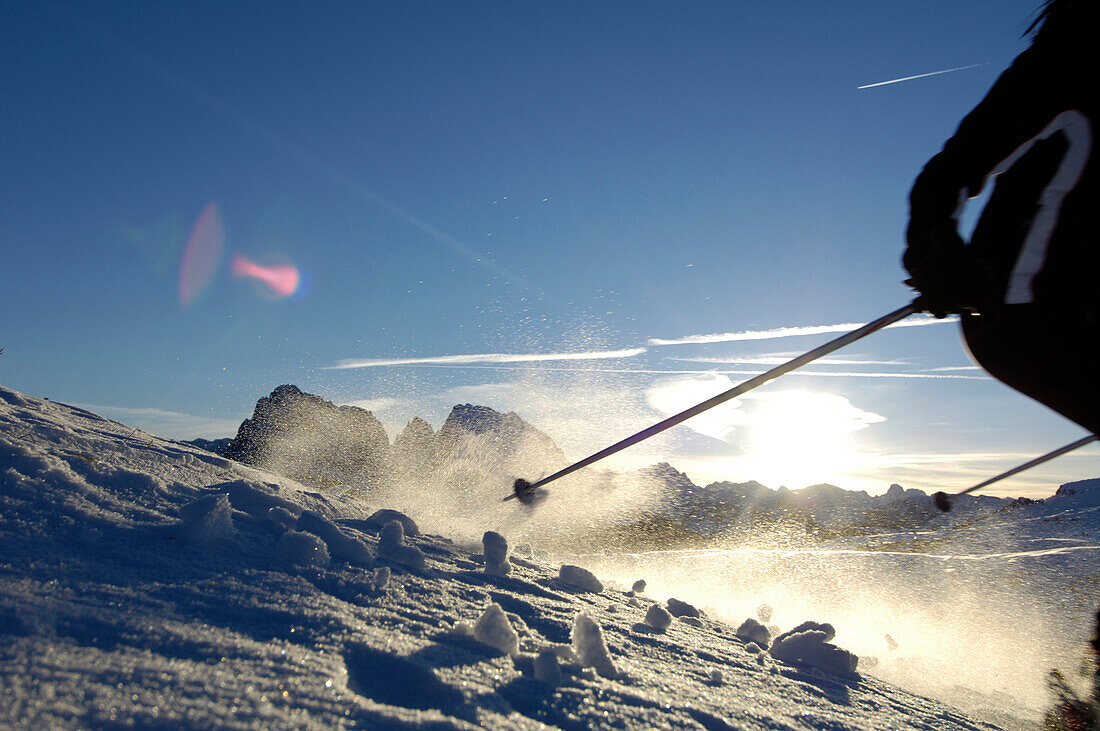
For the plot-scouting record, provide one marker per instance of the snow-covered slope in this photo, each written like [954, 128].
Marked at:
[145, 582]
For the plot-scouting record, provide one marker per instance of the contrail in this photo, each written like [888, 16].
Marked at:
[921, 76]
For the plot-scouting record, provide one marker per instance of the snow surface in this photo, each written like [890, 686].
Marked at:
[148, 583]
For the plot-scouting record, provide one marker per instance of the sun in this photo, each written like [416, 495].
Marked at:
[798, 438]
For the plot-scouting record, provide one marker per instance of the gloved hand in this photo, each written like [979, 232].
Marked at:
[943, 270]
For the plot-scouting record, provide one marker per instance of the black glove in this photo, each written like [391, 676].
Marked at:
[943, 270]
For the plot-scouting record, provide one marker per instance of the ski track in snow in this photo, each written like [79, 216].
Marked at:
[146, 583]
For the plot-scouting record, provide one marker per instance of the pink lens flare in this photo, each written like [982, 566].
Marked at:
[280, 279]
[202, 254]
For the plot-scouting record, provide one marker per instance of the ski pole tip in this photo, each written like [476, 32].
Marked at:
[522, 490]
[942, 501]
[526, 492]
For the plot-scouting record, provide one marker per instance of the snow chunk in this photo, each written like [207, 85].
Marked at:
[546, 667]
[208, 519]
[381, 517]
[639, 586]
[496, 553]
[678, 608]
[391, 545]
[254, 500]
[825, 627]
[811, 647]
[282, 518]
[658, 618]
[580, 578]
[393, 534]
[493, 628]
[590, 648]
[753, 631]
[381, 578]
[495, 546]
[302, 549]
[764, 612]
[716, 676]
[340, 546]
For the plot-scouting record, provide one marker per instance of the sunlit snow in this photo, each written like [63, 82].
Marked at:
[147, 582]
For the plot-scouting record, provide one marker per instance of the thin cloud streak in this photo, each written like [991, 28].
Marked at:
[700, 371]
[854, 374]
[954, 368]
[781, 358]
[922, 76]
[787, 332]
[167, 424]
[472, 358]
[382, 403]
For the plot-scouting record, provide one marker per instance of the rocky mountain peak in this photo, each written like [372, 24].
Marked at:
[314, 441]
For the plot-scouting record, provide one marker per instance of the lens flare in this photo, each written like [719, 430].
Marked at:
[281, 280]
[202, 254]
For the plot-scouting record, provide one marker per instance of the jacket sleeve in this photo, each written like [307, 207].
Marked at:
[1024, 99]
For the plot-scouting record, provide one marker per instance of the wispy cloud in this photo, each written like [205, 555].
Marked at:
[787, 332]
[857, 374]
[805, 371]
[794, 419]
[953, 368]
[809, 372]
[382, 403]
[169, 424]
[674, 395]
[922, 76]
[780, 358]
[474, 358]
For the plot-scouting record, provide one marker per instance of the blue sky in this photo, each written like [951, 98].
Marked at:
[493, 179]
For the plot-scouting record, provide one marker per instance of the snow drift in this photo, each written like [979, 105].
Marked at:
[149, 583]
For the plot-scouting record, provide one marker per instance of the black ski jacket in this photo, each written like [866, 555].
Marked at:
[1038, 238]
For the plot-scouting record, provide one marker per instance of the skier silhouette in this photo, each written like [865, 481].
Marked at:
[1026, 285]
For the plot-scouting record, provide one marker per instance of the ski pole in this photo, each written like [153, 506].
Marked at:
[523, 489]
[943, 500]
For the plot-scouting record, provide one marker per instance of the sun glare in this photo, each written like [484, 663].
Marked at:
[790, 437]
[798, 438]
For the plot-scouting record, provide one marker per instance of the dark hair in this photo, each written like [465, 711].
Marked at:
[1053, 12]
